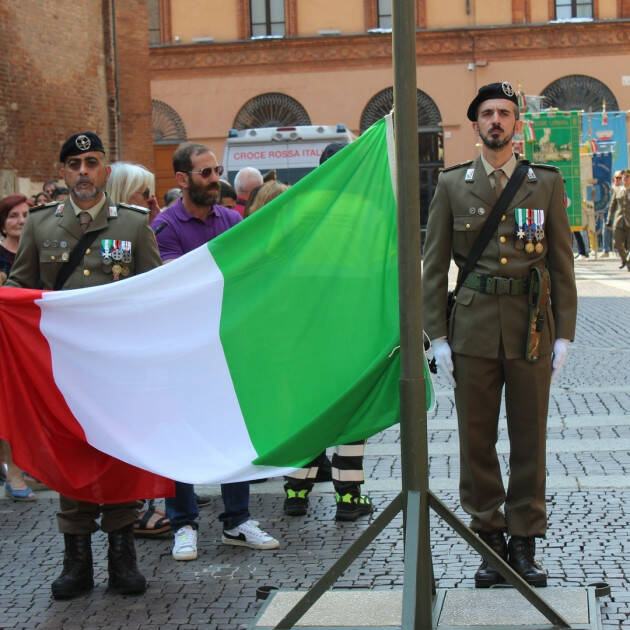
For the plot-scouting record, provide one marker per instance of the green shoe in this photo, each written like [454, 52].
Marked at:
[296, 503]
[351, 507]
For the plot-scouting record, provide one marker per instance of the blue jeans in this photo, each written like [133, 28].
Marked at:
[182, 508]
[608, 233]
[580, 243]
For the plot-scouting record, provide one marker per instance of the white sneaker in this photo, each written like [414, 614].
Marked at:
[185, 545]
[248, 534]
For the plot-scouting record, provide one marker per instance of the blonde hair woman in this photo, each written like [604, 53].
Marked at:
[133, 184]
[268, 191]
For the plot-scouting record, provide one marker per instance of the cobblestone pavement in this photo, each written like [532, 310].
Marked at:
[588, 495]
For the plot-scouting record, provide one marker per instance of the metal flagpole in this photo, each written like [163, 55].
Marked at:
[418, 575]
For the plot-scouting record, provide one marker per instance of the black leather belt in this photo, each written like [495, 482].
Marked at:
[496, 285]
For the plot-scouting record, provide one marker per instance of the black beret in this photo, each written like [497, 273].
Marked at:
[80, 143]
[492, 90]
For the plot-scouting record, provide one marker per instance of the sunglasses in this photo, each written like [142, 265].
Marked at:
[206, 172]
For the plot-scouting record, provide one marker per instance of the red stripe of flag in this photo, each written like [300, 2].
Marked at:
[46, 440]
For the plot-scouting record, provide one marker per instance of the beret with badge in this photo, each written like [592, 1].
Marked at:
[490, 91]
[80, 143]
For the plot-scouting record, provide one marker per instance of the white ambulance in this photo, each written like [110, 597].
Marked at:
[292, 151]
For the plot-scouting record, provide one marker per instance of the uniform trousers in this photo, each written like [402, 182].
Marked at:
[79, 517]
[480, 382]
[347, 470]
[621, 236]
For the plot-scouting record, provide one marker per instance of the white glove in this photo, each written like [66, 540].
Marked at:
[443, 359]
[560, 351]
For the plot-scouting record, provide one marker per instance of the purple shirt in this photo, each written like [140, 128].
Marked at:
[183, 232]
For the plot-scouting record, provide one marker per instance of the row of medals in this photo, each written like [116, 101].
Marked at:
[529, 229]
[115, 256]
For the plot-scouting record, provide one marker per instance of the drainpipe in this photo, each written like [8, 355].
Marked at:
[116, 86]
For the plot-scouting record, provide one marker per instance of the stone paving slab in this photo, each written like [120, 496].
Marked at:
[506, 607]
[371, 609]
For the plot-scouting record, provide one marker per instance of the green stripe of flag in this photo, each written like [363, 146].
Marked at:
[309, 321]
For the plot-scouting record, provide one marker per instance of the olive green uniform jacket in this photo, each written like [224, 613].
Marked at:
[52, 231]
[482, 323]
[619, 209]
[619, 212]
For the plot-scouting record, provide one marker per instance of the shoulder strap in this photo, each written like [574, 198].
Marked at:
[75, 256]
[490, 226]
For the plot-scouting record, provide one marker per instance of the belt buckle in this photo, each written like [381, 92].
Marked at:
[502, 285]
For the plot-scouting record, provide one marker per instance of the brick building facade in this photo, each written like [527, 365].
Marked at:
[309, 58]
[67, 67]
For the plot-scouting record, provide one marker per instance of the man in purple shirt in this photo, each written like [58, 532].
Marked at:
[193, 220]
[184, 226]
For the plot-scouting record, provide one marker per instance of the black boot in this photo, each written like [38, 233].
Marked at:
[486, 576]
[350, 506]
[521, 552]
[296, 495]
[124, 576]
[296, 502]
[77, 576]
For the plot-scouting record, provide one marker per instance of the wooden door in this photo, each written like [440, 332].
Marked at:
[164, 176]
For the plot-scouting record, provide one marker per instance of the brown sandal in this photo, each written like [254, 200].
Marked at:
[141, 525]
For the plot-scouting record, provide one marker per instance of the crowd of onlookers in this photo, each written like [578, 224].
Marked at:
[50, 192]
[602, 243]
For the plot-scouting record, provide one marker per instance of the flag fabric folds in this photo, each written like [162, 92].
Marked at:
[243, 359]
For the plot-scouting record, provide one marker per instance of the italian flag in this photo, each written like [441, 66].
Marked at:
[242, 359]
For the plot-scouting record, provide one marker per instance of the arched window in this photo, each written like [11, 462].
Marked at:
[271, 110]
[167, 124]
[430, 142]
[382, 103]
[578, 91]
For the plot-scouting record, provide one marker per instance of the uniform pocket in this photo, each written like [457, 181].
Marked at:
[467, 223]
[54, 255]
[464, 299]
[466, 228]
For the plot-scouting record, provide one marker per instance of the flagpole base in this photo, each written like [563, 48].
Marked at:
[453, 609]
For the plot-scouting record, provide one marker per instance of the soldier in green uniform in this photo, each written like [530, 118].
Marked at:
[485, 347]
[86, 241]
[619, 219]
